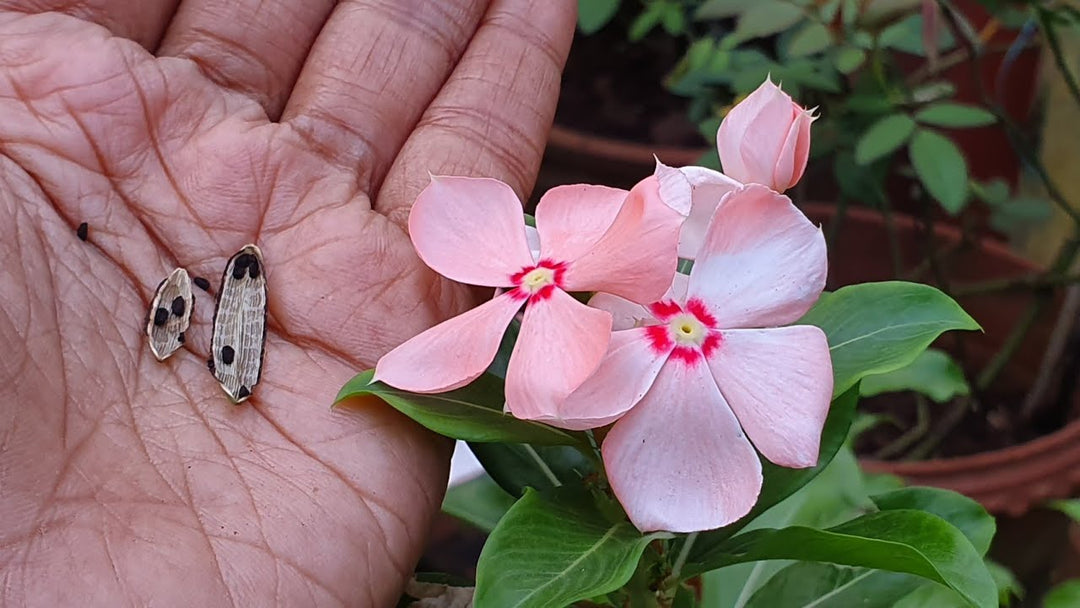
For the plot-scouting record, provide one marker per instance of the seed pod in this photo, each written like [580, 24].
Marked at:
[240, 324]
[170, 314]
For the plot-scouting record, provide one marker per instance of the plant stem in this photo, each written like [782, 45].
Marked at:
[910, 436]
[544, 468]
[1055, 50]
[1030, 281]
[680, 560]
[947, 424]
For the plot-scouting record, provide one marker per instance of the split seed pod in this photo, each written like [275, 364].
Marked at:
[170, 314]
[240, 325]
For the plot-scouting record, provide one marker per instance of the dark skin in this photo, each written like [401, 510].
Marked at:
[181, 131]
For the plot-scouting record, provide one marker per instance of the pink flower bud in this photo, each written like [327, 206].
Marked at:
[765, 139]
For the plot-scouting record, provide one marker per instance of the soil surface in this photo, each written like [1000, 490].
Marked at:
[614, 88]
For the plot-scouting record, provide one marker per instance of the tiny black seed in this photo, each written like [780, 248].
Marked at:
[238, 270]
[227, 354]
[201, 283]
[243, 392]
[180, 337]
[160, 316]
[210, 364]
[178, 306]
[253, 268]
[83, 231]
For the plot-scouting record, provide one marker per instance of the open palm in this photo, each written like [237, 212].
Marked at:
[180, 133]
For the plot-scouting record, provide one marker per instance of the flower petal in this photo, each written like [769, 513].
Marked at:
[708, 187]
[675, 188]
[471, 230]
[622, 379]
[560, 344]
[762, 264]
[779, 382]
[571, 219]
[791, 163]
[679, 461]
[637, 256]
[451, 354]
[751, 135]
[626, 314]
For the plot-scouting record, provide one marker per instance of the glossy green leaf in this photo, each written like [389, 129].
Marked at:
[933, 373]
[471, 413]
[594, 14]
[875, 328]
[780, 482]
[516, 466]
[812, 37]
[954, 115]
[907, 541]
[551, 551]
[941, 168]
[822, 585]
[1065, 595]
[963, 513]
[767, 17]
[883, 138]
[480, 502]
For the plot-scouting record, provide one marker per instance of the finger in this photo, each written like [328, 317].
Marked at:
[142, 21]
[492, 116]
[255, 47]
[373, 69]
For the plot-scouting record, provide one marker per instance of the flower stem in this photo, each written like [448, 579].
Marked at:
[680, 560]
[544, 468]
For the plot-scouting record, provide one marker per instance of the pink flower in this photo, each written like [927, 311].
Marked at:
[764, 139]
[691, 381]
[591, 238]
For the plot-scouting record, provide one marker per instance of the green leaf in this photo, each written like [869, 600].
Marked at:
[813, 37]
[1065, 595]
[780, 482]
[963, 513]
[480, 502]
[1068, 507]
[595, 14]
[883, 137]
[875, 328]
[645, 22]
[719, 9]
[517, 466]
[905, 540]
[1007, 585]
[941, 168]
[933, 373]
[824, 585]
[955, 115]
[1020, 212]
[673, 20]
[471, 413]
[848, 59]
[551, 551]
[767, 17]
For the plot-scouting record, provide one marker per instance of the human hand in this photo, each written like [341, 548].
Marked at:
[307, 127]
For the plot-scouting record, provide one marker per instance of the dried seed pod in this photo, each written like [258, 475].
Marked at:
[240, 325]
[170, 314]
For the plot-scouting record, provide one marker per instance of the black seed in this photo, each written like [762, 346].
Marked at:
[178, 306]
[160, 316]
[201, 283]
[227, 354]
[243, 392]
[180, 337]
[253, 268]
[210, 364]
[83, 231]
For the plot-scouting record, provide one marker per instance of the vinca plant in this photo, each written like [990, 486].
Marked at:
[658, 375]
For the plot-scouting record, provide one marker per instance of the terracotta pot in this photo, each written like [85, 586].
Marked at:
[1009, 480]
[574, 156]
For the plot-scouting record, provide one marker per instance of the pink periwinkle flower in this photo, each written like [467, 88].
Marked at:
[691, 380]
[591, 238]
[764, 139]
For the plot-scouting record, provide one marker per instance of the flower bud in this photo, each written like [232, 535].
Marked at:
[765, 139]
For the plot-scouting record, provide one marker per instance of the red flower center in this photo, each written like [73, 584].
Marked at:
[688, 332]
[535, 283]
